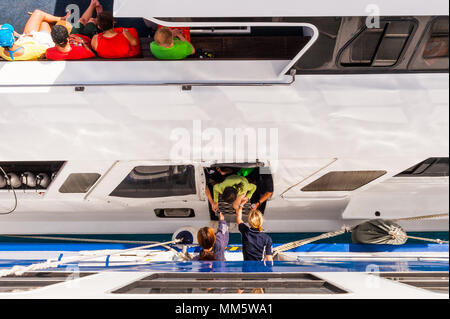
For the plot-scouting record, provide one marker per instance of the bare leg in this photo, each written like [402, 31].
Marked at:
[87, 15]
[45, 26]
[37, 18]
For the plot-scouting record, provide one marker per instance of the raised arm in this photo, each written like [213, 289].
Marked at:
[223, 234]
[239, 215]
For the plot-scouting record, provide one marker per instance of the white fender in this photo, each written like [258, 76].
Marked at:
[28, 179]
[14, 180]
[2, 181]
[43, 180]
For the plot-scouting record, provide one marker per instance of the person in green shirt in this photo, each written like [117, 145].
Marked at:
[171, 45]
[235, 190]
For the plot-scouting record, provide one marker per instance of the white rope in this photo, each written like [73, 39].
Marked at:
[305, 241]
[20, 270]
[88, 240]
[13, 191]
[345, 229]
[439, 241]
[420, 217]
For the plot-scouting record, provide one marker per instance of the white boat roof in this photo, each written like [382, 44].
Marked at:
[282, 8]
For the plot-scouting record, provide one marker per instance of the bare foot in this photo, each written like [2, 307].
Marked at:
[66, 16]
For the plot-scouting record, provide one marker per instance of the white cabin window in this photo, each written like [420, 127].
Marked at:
[157, 181]
[342, 181]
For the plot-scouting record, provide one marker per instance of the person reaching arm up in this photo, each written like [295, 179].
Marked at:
[213, 244]
[256, 245]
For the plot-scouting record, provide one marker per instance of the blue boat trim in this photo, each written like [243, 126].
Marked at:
[251, 266]
[344, 248]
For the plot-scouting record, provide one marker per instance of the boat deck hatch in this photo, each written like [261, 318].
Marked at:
[35, 280]
[230, 283]
[432, 281]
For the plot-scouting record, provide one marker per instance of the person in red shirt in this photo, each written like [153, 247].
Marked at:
[114, 43]
[73, 47]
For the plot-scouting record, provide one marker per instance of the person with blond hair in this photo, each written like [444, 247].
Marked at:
[256, 245]
[171, 45]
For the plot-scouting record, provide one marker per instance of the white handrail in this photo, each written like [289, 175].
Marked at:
[252, 24]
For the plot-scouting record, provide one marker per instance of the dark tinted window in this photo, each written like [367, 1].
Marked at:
[79, 182]
[29, 175]
[434, 166]
[230, 283]
[377, 47]
[35, 280]
[437, 44]
[342, 181]
[157, 181]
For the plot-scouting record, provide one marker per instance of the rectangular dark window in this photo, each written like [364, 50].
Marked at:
[34, 280]
[157, 181]
[432, 281]
[377, 47]
[230, 283]
[342, 181]
[174, 212]
[437, 44]
[29, 175]
[79, 182]
[431, 167]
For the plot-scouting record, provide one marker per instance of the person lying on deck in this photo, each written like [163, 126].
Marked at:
[114, 43]
[67, 47]
[171, 45]
[87, 25]
[35, 41]
[235, 190]
[213, 245]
